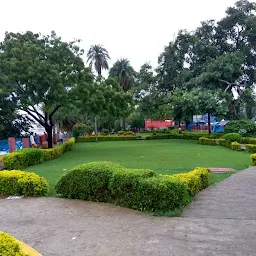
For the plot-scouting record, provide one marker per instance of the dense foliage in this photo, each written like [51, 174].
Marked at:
[246, 128]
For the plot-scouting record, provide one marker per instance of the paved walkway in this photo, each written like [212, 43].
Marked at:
[220, 221]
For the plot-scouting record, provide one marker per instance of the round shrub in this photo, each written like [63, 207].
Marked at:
[22, 183]
[104, 132]
[238, 125]
[10, 246]
[78, 129]
[231, 137]
[87, 181]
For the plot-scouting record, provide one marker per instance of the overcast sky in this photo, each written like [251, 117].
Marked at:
[134, 29]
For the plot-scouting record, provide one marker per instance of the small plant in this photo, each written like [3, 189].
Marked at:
[232, 137]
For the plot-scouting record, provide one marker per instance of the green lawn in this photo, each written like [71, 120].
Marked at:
[163, 156]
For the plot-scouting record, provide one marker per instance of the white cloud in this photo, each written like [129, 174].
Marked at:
[135, 29]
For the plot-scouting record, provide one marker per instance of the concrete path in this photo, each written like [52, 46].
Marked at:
[220, 221]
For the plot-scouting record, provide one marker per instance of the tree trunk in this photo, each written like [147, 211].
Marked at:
[179, 123]
[209, 123]
[123, 123]
[96, 129]
[48, 129]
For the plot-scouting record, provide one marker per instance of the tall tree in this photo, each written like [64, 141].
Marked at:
[217, 55]
[98, 57]
[124, 73]
[38, 73]
[104, 99]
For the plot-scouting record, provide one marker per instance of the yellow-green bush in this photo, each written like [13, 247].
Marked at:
[196, 180]
[9, 246]
[253, 157]
[31, 156]
[22, 183]
[236, 146]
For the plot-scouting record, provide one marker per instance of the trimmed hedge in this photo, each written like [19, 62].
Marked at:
[247, 140]
[22, 183]
[184, 135]
[251, 148]
[207, 141]
[196, 180]
[232, 137]
[214, 142]
[87, 181]
[31, 156]
[138, 189]
[9, 246]
[106, 138]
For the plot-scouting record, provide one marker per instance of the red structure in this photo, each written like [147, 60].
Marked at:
[25, 143]
[149, 124]
[12, 144]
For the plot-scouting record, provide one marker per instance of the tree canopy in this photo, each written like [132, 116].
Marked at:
[98, 57]
[38, 72]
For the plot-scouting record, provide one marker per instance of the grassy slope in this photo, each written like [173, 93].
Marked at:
[163, 156]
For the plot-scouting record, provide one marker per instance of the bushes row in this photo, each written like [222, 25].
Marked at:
[220, 142]
[183, 135]
[138, 189]
[10, 246]
[106, 138]
[32, 156]
[22, 183]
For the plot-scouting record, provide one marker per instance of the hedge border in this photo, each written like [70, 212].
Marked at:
[81, 139]
[31, 156]
[139, 189]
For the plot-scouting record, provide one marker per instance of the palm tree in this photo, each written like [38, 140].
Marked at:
[98, 56]
[124, 73]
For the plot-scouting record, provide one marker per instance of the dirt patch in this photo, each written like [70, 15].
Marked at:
[221, 170]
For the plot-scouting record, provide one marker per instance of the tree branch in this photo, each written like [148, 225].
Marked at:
[34, 116]
[228, 83]
[54, 111]
[36, 112]
[19, 85]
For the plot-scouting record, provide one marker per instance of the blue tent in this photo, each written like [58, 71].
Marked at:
[219, 127]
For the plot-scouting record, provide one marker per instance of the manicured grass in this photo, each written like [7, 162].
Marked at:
[163, 156]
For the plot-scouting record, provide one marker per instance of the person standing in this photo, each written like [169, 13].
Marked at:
[32, 140]
[61, 137]
[37, 141]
